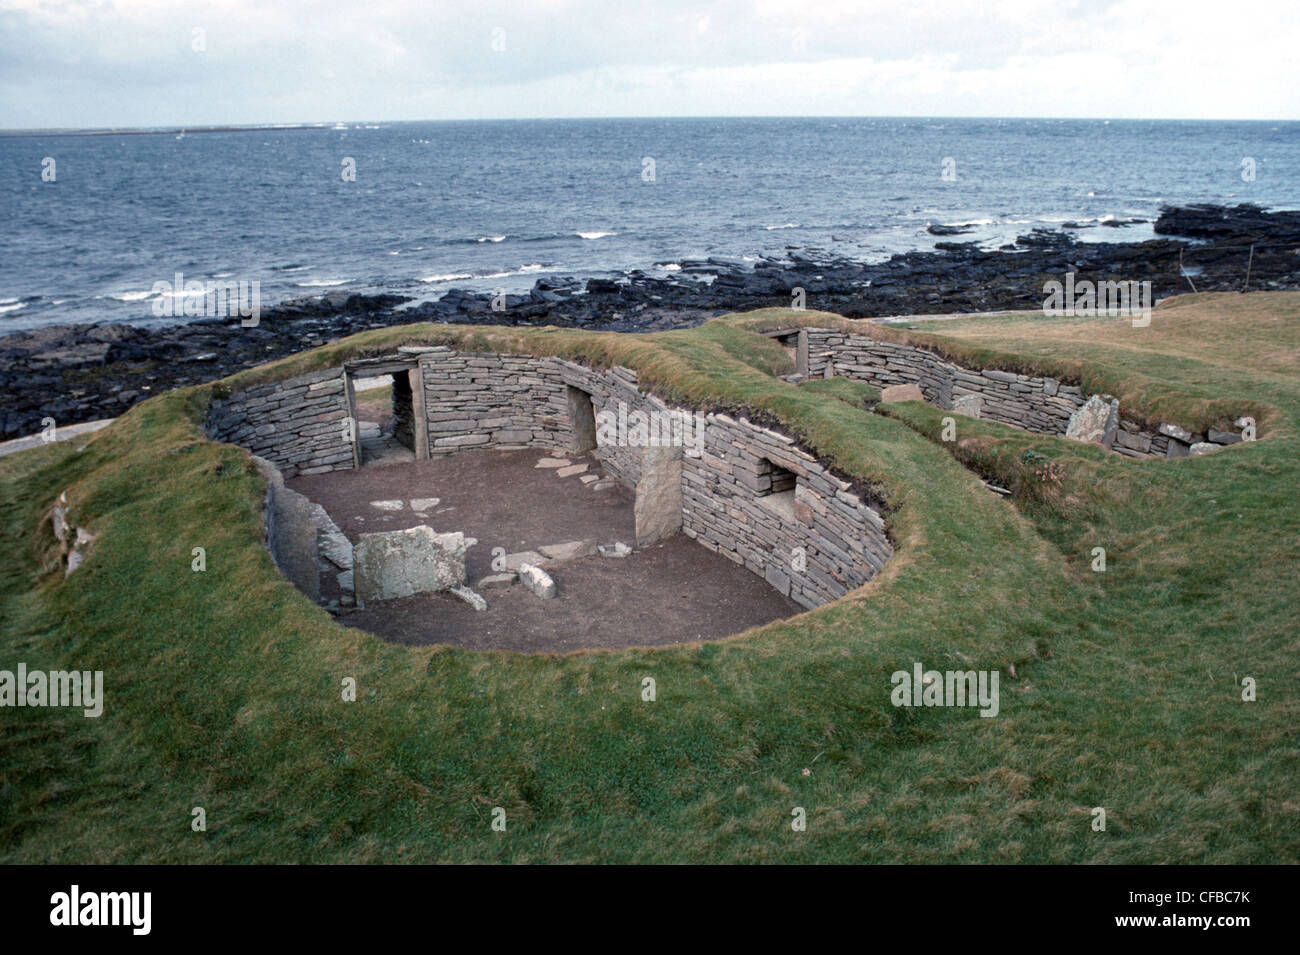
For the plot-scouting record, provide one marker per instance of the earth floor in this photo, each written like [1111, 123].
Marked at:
[672, 592]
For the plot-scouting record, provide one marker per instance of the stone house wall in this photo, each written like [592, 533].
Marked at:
[730, 507]
[298, 424]
[1038, 404]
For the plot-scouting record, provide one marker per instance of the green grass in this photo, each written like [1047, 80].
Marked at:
[223, 688]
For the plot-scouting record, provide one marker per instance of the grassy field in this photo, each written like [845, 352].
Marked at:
[223, 687]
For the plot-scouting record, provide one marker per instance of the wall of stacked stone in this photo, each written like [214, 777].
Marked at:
[1039, 404]
[512, 401]
[614, 393]
[729, 508]
[296, 424]
[493, 400]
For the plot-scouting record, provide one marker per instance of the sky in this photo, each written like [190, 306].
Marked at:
[70, 63]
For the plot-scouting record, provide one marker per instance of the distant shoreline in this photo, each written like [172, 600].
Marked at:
[353, 123]
[85, 372]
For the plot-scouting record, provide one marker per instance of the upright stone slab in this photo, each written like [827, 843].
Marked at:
[392, 564]
[968, 405]
[801, 352]
[658, 507]
[1112, 425]
[290, 531]
[1089, 422]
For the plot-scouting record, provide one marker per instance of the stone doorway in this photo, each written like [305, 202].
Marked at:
[385, 399]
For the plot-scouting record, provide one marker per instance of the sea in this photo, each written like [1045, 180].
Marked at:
[95, 226]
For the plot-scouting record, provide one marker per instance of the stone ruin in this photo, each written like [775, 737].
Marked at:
[740, 489]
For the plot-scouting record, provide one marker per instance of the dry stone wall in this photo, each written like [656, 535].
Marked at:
[813, 544]
[1040, 404]
[298, 424]
[489, 400]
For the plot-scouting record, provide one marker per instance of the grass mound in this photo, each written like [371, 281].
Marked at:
[224, 687]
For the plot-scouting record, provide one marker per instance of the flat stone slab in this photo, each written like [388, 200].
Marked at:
[424, 503]
[588, 478]
[553, 463]
[388, 505]
[902, 393]
[538, 581]
[498, 580]
[571, 470]
[515, 561]
[603, 484]
[616, 549]
[1202, 447]
[1215, 436]
[392, 564]
[571, 550]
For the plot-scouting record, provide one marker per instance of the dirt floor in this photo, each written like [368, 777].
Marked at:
[672, 592]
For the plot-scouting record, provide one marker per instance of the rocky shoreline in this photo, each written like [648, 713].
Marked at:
[74, 373]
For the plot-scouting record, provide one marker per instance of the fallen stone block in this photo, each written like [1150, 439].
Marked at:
[570, 550]
[1214, 436]
[388, 505]
[538, 581]
[474, 600]
[515, 561]
[616, 549]
[497, 580]
[571, 470]
[1202, 447]
[553, 463]
[424, 503]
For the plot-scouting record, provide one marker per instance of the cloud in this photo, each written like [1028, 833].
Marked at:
[148, 62]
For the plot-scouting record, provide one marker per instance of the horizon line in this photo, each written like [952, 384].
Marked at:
[352, 123]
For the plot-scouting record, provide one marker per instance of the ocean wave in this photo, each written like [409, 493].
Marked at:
[595, 235]
[7, 307]
[784, 225]
[450, 277]
[490, 238]
[130, 296]
[322, 283]
[522, 270]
